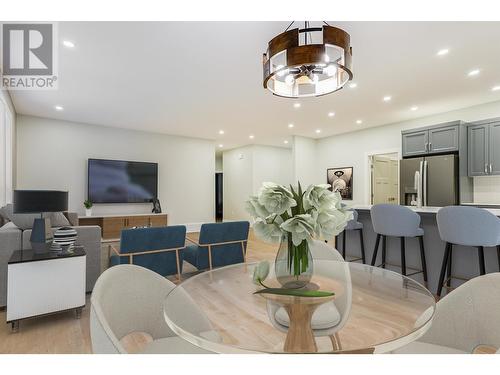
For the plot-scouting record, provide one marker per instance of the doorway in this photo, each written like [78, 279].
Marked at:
[218, 197]
[384, 178]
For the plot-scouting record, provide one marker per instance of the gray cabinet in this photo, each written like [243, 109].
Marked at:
[494, 149]
[431, 140]
[443, 139]
[483, 149]
[415, 143]
[478, 150]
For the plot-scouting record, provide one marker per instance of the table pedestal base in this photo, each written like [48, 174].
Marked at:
[300, 337]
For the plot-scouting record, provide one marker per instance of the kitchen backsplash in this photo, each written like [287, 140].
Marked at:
[487, 190]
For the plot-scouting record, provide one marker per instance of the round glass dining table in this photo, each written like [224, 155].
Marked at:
[376, 311]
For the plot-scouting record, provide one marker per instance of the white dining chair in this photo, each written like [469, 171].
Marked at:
[465, 319]
[328, 318]
[128, 299]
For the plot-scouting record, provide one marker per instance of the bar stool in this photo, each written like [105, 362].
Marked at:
[354, 225]
[466, 226]
[397, 221]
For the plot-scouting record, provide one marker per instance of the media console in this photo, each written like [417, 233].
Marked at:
[112, 225]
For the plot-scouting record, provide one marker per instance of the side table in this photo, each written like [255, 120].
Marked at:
[40, 284]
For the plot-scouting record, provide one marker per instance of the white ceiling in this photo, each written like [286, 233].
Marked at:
[194, 79]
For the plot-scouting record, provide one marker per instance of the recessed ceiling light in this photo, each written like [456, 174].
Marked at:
[221, 145]
[290, 126]
[318, 131]
[387, 98]
[221, 132]
[474, 72]
[296, 105]
[353, 85]
[251, 136]
[414, 108]
[495, 88]
[359, 122]
[58, 108]
[285, 142]
[443, 52]
[68, 44]
[331, 114]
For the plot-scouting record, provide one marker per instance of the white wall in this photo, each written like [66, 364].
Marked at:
[7, 147]
[218, 162]
[53, 154]
[352, 149]
[271, 164]
[304, 156]
[238, 181]
[246, 168]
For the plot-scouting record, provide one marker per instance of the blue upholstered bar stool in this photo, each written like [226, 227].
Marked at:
[466, 226]
[353, 225]
[397, 221]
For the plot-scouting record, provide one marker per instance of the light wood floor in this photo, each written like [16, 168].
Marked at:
[62, 333]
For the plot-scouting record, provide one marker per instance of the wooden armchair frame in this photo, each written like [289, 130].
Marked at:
[131, 255]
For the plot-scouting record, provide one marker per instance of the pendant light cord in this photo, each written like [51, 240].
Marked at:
[291, 23]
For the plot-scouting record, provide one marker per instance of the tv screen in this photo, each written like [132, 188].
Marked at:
[115, 181]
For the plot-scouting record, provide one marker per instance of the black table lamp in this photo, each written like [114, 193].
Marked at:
[40, 201]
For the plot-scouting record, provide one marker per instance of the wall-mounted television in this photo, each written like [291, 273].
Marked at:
[119, 181]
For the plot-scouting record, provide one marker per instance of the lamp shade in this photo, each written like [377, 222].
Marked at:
[37, 201]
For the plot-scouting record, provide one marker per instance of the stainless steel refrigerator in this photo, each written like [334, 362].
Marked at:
[429, 181]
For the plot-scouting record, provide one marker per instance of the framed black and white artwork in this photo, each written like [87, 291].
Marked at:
[340, 179]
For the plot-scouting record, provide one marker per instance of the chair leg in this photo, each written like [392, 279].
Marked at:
[210, 257]
[343, 244]
[384, 250]
[482, 267]
[403, 256]
[177, 260]
[448, 273]
[498, 255]
[443, 268]
[362, 244]
[337, 242]
[422, 257]
[375, 250]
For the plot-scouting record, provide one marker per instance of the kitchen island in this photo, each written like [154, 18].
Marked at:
[465, 259]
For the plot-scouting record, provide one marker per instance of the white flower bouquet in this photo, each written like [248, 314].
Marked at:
[294, 217]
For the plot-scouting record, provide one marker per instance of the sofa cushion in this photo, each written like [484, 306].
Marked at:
[25, 221]
[9, 225]
[22, 221]
[57, 219]
[3, 216]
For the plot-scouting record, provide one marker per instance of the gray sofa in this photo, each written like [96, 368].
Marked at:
[13, 238]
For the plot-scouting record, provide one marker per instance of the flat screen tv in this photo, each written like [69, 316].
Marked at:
[118, 181]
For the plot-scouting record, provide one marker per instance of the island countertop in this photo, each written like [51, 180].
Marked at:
[465, 259]
[423, 210]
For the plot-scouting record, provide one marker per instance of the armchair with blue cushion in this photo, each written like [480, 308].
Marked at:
[219, 244]
[159, 249]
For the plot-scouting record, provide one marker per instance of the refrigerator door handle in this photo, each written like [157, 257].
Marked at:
[424, 183]
[420, 198]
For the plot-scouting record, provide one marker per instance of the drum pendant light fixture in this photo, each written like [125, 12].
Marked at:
[311, 61]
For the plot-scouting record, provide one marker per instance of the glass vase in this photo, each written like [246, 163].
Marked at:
[294, 264]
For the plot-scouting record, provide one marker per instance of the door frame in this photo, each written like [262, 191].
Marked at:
[368, 169]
